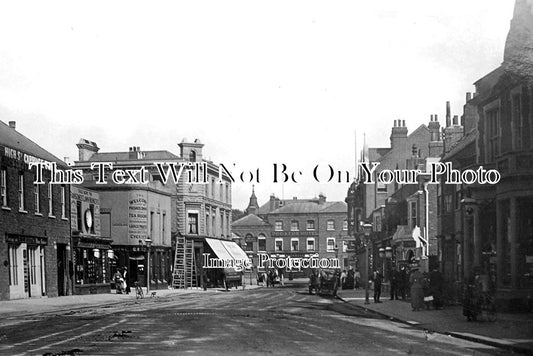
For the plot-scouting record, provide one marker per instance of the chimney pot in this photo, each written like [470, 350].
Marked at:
[403, 123]
[455, 120]
[13, 124]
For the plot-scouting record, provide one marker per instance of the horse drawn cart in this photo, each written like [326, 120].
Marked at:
[325, 282]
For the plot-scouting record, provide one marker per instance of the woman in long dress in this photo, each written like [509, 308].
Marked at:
[417, 291]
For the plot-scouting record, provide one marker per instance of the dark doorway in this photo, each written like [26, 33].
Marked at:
[61, 265]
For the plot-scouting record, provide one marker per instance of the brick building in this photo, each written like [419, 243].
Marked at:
[34, 222]
[92, 254]
[385, 206]
[197, 206]
[295, 228]
[488, 229]
[129, 215]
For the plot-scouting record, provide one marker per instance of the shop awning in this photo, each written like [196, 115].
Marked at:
[235, 250]
[218, 248]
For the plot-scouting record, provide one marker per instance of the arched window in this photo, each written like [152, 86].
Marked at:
[192, 156]
[249, 242]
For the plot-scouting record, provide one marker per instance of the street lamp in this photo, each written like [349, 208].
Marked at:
[367, 230]
[148, 242]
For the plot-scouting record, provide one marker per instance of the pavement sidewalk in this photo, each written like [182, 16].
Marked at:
[32, 306]
[513, 332]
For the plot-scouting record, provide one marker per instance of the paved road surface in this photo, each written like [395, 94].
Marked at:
[279, 320]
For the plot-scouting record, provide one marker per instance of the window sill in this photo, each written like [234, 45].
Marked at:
[7, 208]
[22, 211]
[38, 214]
[51, 216]
[64, 219]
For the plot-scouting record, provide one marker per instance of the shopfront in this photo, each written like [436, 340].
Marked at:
[92, 254]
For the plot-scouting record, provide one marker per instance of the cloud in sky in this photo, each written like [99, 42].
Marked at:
[258, 82]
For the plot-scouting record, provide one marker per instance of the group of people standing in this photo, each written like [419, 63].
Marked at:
[424, 289]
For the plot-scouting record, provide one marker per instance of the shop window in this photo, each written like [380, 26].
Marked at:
[13, 265]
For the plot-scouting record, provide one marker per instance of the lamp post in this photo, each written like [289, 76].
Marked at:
[367, 229]
[148, 242]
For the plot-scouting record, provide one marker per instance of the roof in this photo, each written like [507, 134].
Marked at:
[125, 156]
[410, 136]
[12, 138]
[306, 207]
[249, 220]
[461, 144]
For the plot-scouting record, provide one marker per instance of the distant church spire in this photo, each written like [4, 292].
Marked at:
[253, 207]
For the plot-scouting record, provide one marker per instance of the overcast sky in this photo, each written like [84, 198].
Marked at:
[257, 82]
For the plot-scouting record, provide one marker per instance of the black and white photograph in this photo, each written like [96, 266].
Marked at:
[266, 177]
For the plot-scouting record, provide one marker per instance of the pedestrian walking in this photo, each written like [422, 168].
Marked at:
[471, 305]
[417, 292]
[402, 282]
[377, 286]
[126, 281]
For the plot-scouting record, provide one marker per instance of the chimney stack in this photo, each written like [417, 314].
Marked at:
[455, 120]
[468, 96]
[86, 149]
[398, 137]
[448, 114]
[13, 124]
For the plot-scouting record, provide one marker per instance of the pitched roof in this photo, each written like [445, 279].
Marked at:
[12, 138]
[249, 220]
[125, 156]
[307, 207]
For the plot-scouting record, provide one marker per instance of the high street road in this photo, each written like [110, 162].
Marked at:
[281, 320]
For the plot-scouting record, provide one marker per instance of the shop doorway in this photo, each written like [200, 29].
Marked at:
[61, 267]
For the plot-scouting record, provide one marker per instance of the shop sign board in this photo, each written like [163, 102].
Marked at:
[137, 215]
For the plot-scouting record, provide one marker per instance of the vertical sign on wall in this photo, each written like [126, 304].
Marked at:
[138, 216]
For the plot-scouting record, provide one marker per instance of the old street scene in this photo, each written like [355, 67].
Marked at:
[274, 236]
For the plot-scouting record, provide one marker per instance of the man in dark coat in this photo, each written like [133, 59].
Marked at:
[436, 285]
[377, 286]
[394, 281]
